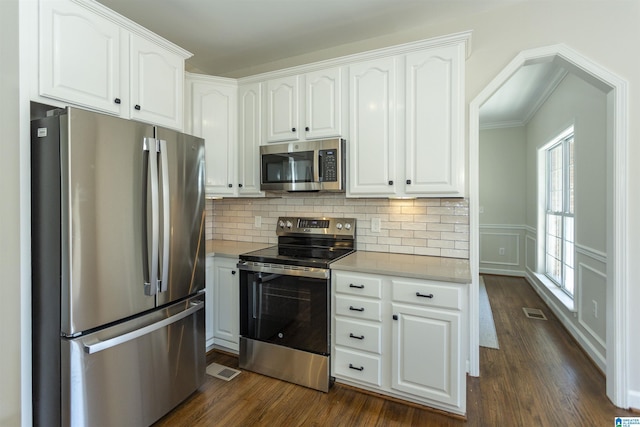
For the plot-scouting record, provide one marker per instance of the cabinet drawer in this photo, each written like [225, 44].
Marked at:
[354, 284]
[358, 308]
[357, 366]
[427, 294]
[359, 335]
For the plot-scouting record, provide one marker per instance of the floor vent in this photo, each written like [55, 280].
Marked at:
[534, 313]
[222, 372]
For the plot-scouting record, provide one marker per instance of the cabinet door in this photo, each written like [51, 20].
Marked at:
[372, 148]
[79, 57]
[282, 109]
[214, 119]
[208, 303]
[226, 296]
[249, 116]
[426, 358]
[434, 150]
[323, 101]
[157, 83]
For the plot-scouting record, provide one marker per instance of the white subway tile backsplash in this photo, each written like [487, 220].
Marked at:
[435, 227]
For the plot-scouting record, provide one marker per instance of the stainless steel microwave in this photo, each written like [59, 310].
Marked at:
[303, 166]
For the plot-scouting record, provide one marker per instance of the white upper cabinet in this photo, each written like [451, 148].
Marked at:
[313, 112]
[323, 104]
[407, 124]
[80, 57]
[213, 117]
[373, 140]
[157, 81]
[249, 131]
[282, 109]
[434, 148]
[92, 57]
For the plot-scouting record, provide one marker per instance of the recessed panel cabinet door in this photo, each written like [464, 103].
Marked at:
[214, 113]
[226, 296]
[79, 57]
[434, 123]
[372, 142]
[282, 109]
[249, 117]
[426, 353]
[157, 80]
[323, 94]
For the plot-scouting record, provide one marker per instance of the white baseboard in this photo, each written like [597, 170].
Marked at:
[634, 400]
[503, 272]
[596, 356]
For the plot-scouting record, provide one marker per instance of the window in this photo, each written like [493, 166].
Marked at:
[559, 227]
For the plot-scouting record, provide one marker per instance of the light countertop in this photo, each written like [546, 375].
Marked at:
[232, 249]
[412, 266]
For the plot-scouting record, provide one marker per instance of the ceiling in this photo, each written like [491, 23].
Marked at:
[230, 37]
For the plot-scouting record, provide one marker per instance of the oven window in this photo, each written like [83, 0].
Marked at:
[285, 310]
[287, 167]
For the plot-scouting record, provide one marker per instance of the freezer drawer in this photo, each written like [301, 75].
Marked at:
[134, 373]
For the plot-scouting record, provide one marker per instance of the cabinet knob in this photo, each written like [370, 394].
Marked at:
[293, 129]
[137, 107]
[240, 185]
[395, 317]
[390, 182]
[117, 101]
[230, 185]
[306, 129]
[408, 181]
[233, 272]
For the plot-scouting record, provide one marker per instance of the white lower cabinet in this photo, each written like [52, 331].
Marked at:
[222, 316]
[401, 337]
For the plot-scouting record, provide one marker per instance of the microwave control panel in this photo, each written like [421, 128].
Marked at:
[329, 165]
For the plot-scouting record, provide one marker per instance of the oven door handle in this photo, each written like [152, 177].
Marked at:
[284, 270]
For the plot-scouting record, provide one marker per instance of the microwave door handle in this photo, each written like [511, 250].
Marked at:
[317, 163]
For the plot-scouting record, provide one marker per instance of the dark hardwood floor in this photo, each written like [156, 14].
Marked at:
[538, 377]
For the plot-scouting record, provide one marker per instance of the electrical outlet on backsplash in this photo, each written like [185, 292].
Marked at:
[436, 227]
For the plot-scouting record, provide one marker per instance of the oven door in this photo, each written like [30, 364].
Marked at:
[287, 310]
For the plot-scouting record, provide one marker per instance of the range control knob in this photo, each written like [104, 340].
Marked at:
[281, 224]
[289, 225]
[347, 226]
[339, 226]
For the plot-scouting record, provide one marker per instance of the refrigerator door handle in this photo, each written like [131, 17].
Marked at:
[151, 287]
[166, 215]
[129, 336]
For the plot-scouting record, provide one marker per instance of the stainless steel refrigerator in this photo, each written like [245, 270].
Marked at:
[118, 254]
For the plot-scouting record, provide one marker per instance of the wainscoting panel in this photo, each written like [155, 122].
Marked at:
[592, 297]
[530, 253]
[501, 249]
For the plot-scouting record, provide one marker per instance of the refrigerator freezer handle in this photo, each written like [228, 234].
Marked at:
[121, 339]
[166, 215]
[151, 287]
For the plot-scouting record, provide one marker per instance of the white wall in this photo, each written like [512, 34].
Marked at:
[502, 157]
[576, 102]
[10, 388]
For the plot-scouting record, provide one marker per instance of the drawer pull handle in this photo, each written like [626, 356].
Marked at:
[361, 368]
[361, 337]
[351, 285]
[352, 308]
[418, 294]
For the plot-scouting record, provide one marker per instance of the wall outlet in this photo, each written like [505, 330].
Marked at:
[481, 209]
[595, 308]
[501, 251]
[257, 221]
[375, 225]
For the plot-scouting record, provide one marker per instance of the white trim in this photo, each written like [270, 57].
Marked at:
[501, 272]
[504, 226]
[451, 39]
[617, 271]
[591, 253]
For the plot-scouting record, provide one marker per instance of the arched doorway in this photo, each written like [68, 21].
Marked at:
[617, 288]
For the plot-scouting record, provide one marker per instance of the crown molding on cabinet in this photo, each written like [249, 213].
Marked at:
[464, 36]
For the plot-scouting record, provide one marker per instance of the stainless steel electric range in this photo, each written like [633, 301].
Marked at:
[284, 300]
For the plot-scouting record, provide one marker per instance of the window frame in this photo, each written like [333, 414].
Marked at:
[566, 141]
